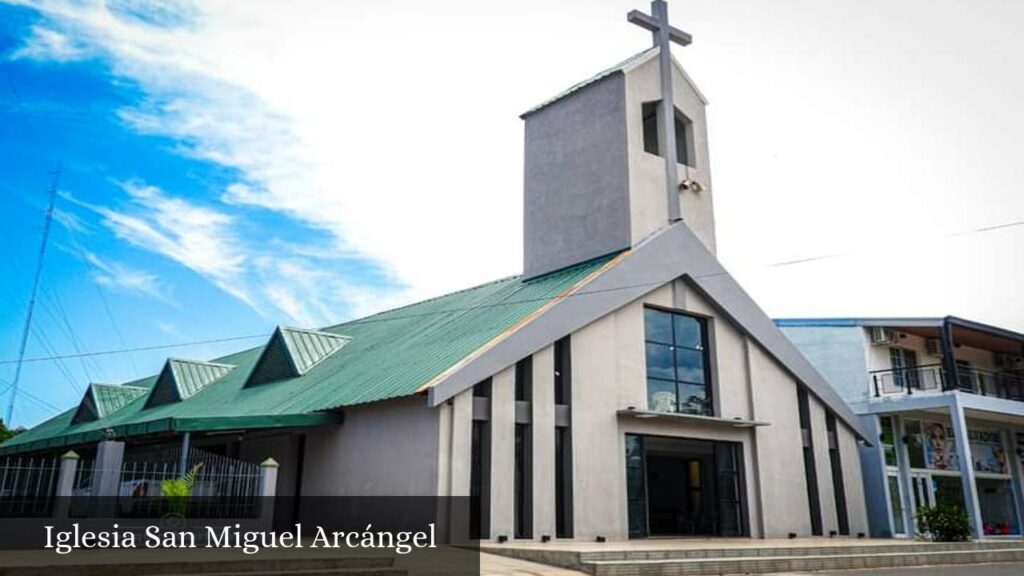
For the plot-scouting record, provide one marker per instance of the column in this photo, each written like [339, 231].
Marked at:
[1010, 441]
[268, 488]
[106, 479]
[107, 476]
[460, 459]
[543, 429]
[65, 483]
[903, 462]
[963, 449]
[503, 426]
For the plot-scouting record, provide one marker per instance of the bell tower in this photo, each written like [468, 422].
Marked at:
[597, 176]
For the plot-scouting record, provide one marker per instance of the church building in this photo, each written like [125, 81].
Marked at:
[624, 386]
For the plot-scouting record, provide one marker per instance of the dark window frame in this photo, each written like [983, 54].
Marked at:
[523, 482]
[524, 380]
[810, 465]
[836, 462]
[649, 124]
[705, 351]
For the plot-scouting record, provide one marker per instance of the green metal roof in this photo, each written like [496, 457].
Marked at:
[101, 400]
[388, 355]
[181, 379]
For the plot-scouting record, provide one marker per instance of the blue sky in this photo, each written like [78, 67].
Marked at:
[230, 166]
[143, 251]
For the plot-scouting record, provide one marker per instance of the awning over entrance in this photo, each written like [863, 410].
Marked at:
[683, 418]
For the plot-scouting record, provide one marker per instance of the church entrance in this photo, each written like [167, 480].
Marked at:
[684, 487]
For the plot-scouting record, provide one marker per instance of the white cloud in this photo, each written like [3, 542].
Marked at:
[392, 127]
[128, 279]
[291, 97]
[47, 44]
[197, 237]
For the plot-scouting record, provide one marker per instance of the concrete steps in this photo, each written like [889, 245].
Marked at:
[339, 566]
[746, 559]
[806, 563]
[810, 550]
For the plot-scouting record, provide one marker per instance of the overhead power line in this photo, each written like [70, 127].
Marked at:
[397, 317]
[131, 350]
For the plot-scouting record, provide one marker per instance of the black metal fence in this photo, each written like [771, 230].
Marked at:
[217, 487]
[221, 487]
[933, 377]
[28, 486]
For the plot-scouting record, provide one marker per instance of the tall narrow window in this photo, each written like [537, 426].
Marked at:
[810, 470]
[563, 439]
[482, 389]
[562, 368]
[524, 379]
[523, 472]
[479, 481]
[678, 378]
[888, 440]
[523, 482]
[838, 487]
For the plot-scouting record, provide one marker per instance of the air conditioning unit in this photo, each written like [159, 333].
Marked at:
[933, 347]
[881, 336]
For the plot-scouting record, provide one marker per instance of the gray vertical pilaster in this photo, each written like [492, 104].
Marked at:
[1016, 471]
[65, 483]
[952, 378]
[906, 487]
[106, 479]
[268, 488]
[963, 449]
[543, 429]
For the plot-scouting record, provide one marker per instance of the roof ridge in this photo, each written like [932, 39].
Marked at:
[109, 385]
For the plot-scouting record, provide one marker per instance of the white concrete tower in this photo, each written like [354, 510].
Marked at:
[595, 182]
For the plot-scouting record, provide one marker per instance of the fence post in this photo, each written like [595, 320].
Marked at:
[106, 481]
[268, 488]
[65, 483]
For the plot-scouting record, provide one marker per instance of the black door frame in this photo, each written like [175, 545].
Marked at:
[744, 521]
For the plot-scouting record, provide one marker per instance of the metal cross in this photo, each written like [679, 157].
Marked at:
[663, 35]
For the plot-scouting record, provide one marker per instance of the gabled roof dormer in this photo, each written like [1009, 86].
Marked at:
[101, 400]
[181, 379]
[291, 352]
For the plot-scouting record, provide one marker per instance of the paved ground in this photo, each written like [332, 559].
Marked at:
[494, 565]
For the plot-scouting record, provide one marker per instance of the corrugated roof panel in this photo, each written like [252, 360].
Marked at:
[101, 400]
[309, 347]
[192, 376]
[180, 379]
[387, 355]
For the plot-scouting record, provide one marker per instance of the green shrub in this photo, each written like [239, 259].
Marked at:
[944, 523]
[176, 492]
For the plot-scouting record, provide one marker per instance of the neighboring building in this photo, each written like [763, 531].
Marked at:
[624, 386]
[944, 397]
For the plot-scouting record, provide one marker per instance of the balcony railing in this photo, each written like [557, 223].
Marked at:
[932, 378]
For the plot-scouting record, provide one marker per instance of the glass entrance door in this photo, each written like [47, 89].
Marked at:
[684, 487]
